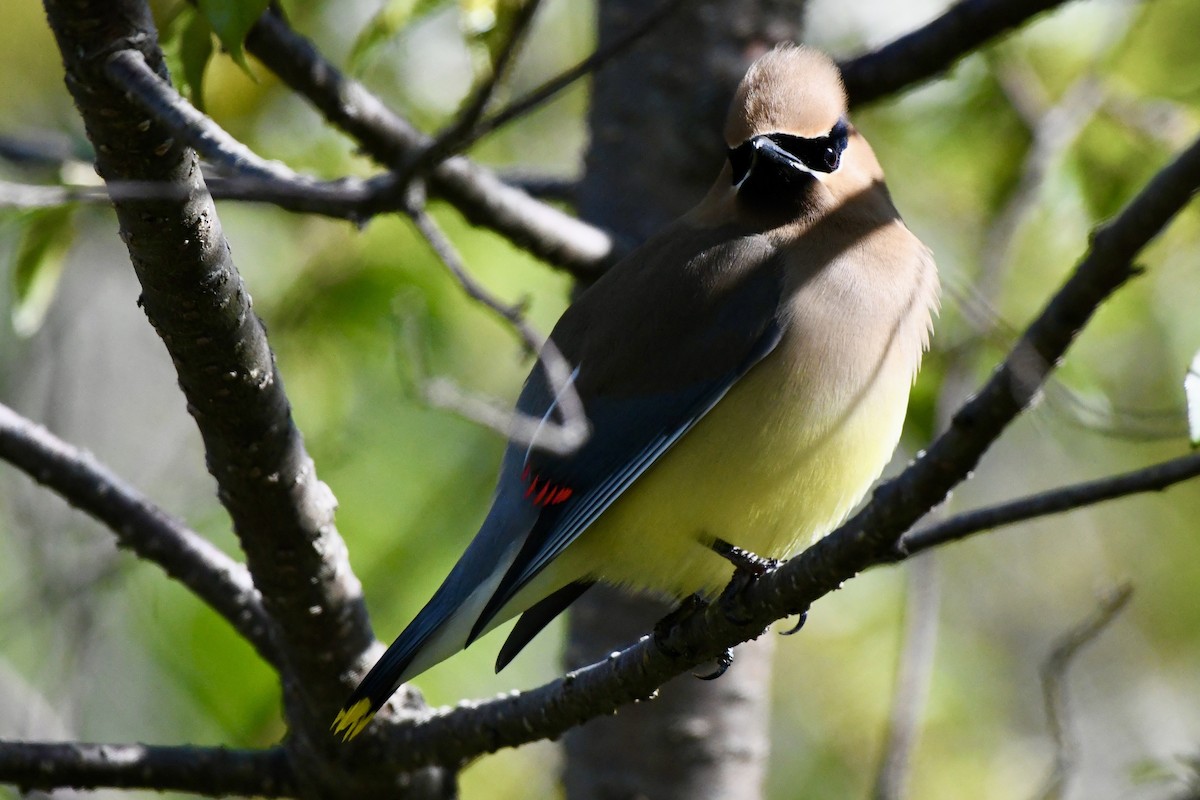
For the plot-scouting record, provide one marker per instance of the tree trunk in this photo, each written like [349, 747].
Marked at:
[656, 120]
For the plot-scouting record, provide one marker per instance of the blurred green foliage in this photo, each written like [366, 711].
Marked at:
[359, 318]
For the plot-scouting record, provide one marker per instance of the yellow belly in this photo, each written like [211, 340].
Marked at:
[770, 468]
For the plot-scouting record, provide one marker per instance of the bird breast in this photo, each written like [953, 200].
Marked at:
[795, 444]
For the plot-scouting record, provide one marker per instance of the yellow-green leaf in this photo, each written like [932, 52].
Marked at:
[45, 240]
[231, 20]
[196, 47]
[188, 46]
[1191, 391]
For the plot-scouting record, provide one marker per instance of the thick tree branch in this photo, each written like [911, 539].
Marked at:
[210, 771]
[1154, 478]
[934, 48]
[476, 192]
[139, 525]
[867, 539]
[194, 297]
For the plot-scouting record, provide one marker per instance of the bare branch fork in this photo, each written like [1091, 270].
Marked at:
[561, 437]
[457, 135]
[479, 128]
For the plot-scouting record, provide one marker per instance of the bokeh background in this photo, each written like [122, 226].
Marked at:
[1003, 167]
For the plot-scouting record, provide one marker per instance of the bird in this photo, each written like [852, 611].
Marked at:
[745, 374]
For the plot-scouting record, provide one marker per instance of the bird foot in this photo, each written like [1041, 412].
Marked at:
[744, 562]
[694, 604]
[747, 568]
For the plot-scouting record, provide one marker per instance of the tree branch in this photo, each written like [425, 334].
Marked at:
[459, 134]
[256, 178]
[1154, 478]
[560, 437]
[211, 771]
[868, 538]
[934, 48]
[141, 526]
[195, 299]
[600, 57]
[914, 675]
[1054, 687]
[481, 197]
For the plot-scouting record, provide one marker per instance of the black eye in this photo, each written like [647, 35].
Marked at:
[820, 154]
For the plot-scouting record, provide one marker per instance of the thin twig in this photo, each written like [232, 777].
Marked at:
[52, 150]
[459, 134]
[210, 771]
[349, 199]
[935, 47]
[587, 66]
[562, 437]
[914, 673]
[1153, 478]
[1054, 687]
[139, 525]
[545, 187]
[28, 196]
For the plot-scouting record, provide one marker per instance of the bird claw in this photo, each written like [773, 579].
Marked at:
[744, 562]
[724, 661]
[747, 568]
[800, 620]
[662, 629]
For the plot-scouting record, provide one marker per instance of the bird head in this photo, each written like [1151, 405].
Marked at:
[788, 136]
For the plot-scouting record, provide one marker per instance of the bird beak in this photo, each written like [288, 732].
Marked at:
[822, 154]
[765, 148]
[787, 154]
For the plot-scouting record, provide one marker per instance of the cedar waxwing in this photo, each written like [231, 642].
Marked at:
[745, 374]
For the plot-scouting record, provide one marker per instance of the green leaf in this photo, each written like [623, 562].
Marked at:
[231, 20]
[1191, 391]
[392, 18]
[40, 255]
[188, 46]
[196, 48]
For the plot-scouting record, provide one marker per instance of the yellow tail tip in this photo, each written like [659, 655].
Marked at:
[351, 720]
